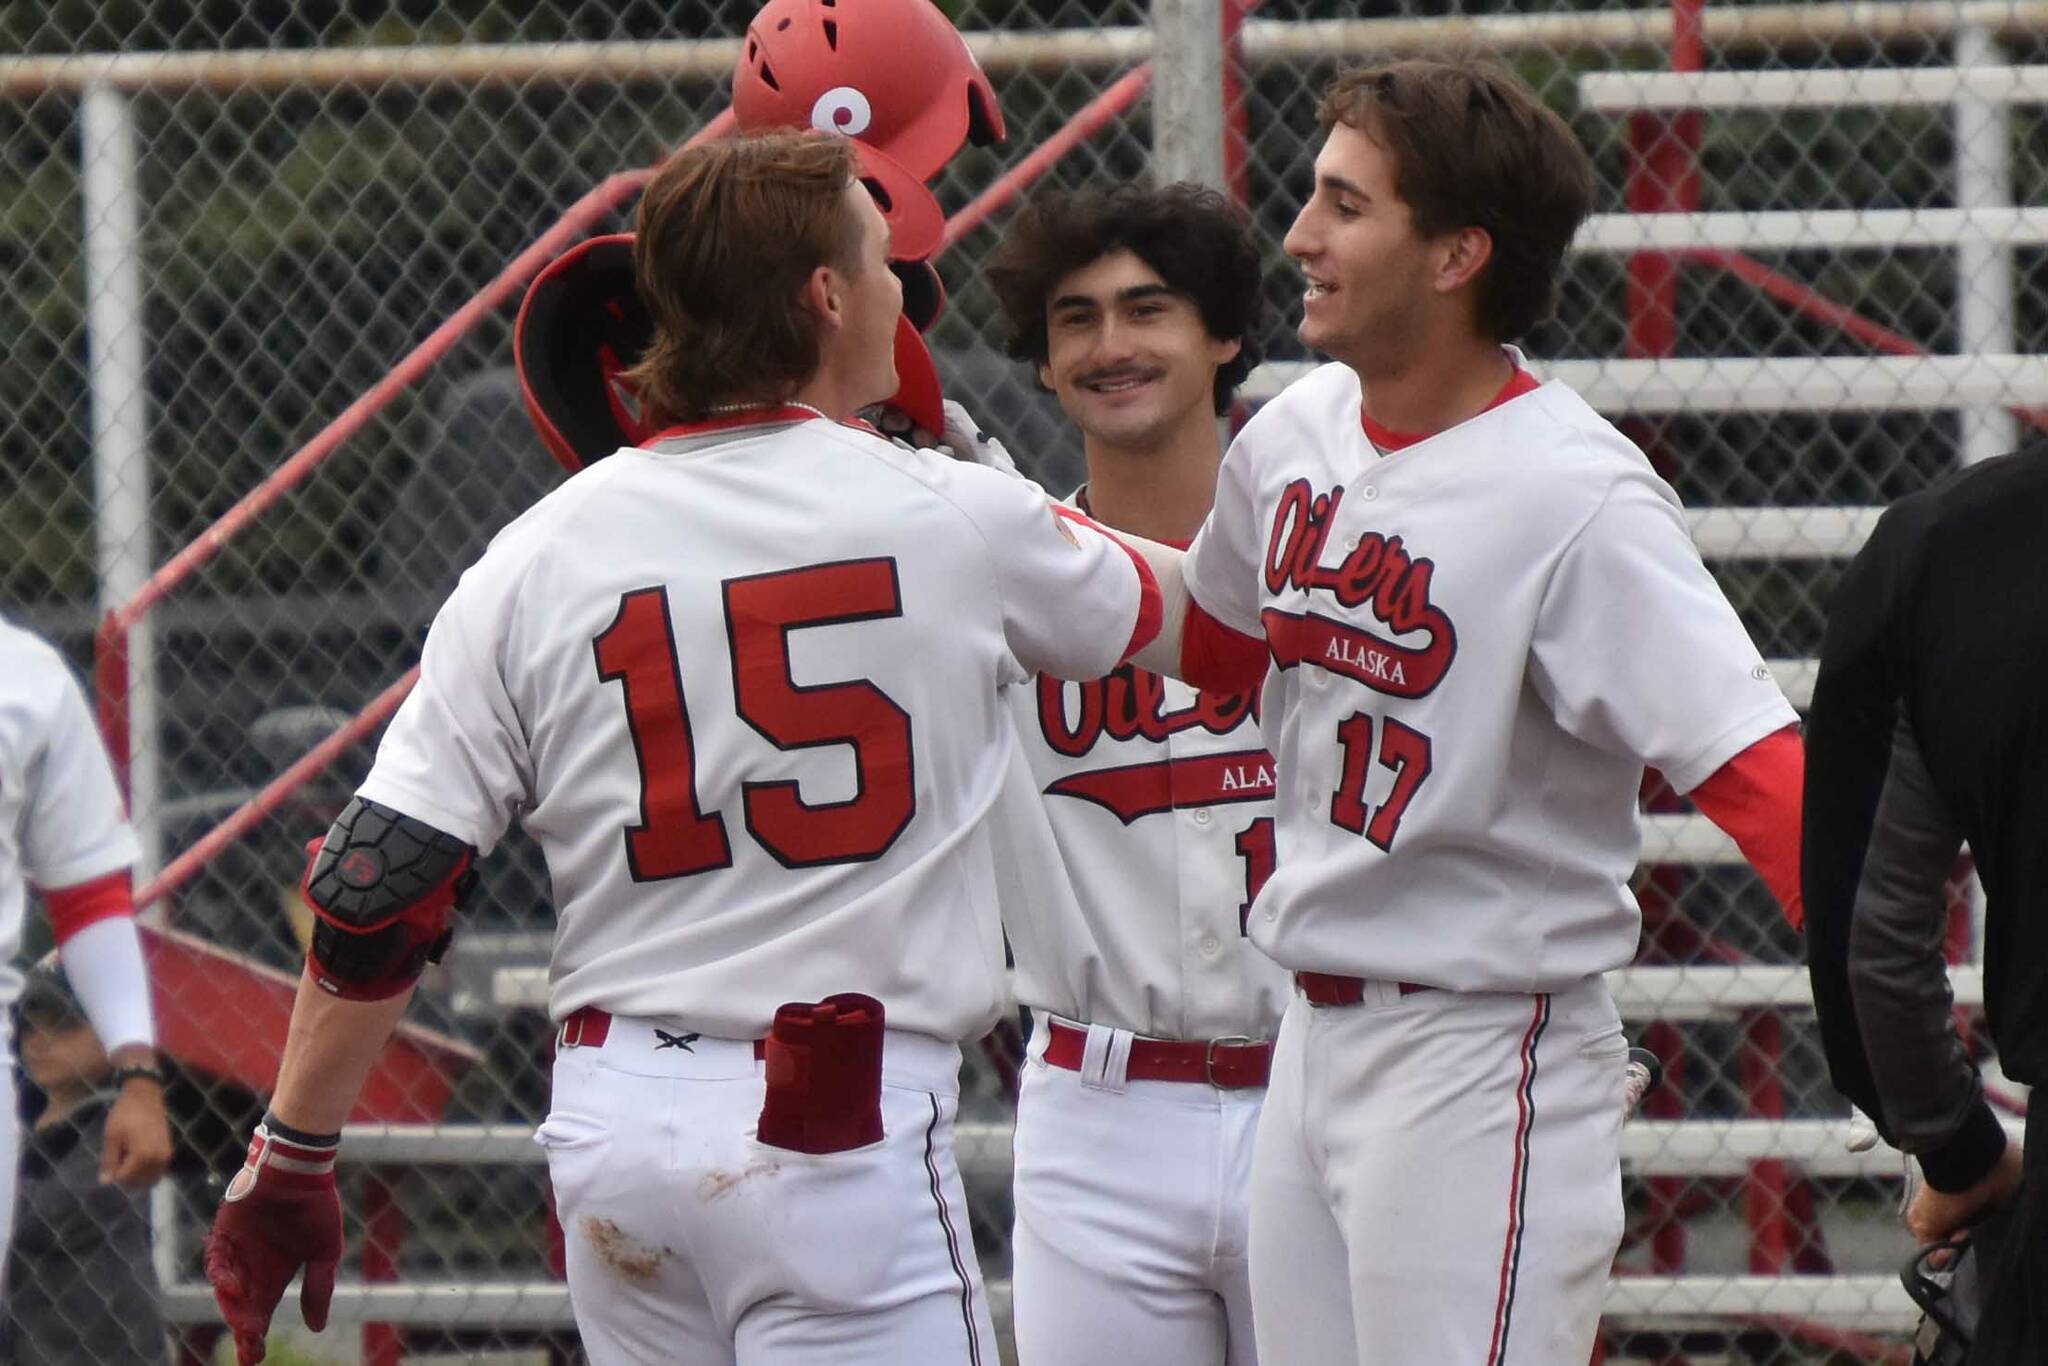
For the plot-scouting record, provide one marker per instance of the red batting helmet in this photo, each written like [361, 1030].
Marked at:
[894, 74]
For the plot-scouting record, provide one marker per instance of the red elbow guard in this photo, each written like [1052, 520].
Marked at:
[382, 887]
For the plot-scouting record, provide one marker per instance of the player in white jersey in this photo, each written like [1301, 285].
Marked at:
[1483, 617]
[743, 687]
[1152, 1014]
[64, 832]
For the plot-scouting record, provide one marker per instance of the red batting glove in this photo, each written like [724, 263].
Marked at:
[281, 1212]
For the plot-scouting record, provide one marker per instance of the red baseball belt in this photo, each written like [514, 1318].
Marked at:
[1230, 1064]
[1330, 989]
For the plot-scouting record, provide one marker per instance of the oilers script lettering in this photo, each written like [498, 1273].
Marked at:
[1129, 705]
[1379, 576]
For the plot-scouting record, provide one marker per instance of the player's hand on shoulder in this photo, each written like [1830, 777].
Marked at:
[966, 440]
[898, 426]
[963, 438]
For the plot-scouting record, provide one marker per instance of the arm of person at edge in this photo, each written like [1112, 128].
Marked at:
[260, 1243]
[135, 1145]
[329, 1050]
[101, 954]
[1850, 726]
[1931, 1095]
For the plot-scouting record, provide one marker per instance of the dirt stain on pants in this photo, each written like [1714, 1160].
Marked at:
[632, 1259]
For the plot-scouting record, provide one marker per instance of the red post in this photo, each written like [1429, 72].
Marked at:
[1764, 1190]
[1666, 1230]
[1663, 177]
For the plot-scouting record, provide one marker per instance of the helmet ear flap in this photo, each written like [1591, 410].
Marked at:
[924, 294]
[984, 115]
[917, 225]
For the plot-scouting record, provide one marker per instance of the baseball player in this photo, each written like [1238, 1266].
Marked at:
[1483, 617]
[64, 831]
[1152, 1015]
[743, 686]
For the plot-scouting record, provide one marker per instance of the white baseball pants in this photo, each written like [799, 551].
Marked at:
[1132, 1208]
[1437, 1179]
[690, 1242]
[10, 1147]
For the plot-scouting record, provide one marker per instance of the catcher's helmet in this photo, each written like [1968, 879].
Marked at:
[894, 74]
[580, 326]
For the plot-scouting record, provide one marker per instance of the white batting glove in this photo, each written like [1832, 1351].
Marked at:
[965, 439]
[1862, 1135]
[1909, 1189]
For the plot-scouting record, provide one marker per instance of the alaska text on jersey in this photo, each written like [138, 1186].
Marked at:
[1376, 574]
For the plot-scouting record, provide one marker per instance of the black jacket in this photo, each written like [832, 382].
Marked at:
[80, 1284]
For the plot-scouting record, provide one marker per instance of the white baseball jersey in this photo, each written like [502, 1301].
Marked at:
[1478, 642]
[743, 689]
[1160, 800]
[62, 821]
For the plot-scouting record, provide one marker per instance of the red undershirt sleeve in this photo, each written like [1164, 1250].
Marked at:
[87, 903]
[1218, 658]
[1755, 798]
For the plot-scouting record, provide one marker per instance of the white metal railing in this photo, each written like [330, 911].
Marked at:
[1781, 533]
[1701, 992]
[1751, 384]
[1873, 1302]
[1978, 92]
[1778, 28]
[1649, 1147]
[1618, 92]
[1808, 229]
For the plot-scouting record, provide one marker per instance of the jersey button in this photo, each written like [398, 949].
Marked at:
[1210, 944]
[1200, 815]
[1369, 493]
[1315, 803]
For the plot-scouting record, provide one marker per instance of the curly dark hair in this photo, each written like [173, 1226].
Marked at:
[1198, 241]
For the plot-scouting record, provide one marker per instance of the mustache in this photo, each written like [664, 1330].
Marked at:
[1111, 376]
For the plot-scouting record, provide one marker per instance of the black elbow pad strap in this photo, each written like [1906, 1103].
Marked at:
[382, 886]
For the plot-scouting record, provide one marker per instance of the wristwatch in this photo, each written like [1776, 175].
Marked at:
[134, 1071]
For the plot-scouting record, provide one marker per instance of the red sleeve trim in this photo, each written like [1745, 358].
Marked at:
[1755, 797]
[1151, 607]
[87, 903]
[1219, 658]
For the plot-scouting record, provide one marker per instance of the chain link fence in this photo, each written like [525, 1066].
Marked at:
[223, 225]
